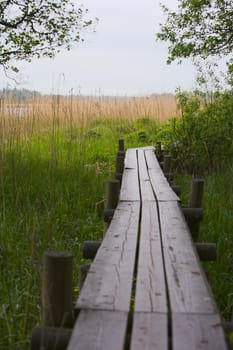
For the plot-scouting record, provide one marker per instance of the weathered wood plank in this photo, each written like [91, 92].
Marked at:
[159, 182]
[99, 330]
[150, 331]
[130, 184]
[194, 332]
[188, 288]
[150, 287]
[144, 179]
[109, 281]
[131, 161]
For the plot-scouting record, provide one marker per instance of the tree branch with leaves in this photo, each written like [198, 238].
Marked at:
[39, 28]
[198, 28]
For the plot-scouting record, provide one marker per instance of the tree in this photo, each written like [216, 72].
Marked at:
[198, 28]
[39, 28]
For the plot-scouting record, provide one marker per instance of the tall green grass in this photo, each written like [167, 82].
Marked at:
[52, 186]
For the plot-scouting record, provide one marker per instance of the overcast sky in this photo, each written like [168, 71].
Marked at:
[121, 58]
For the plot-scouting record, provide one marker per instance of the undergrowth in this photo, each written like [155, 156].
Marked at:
[52, 188]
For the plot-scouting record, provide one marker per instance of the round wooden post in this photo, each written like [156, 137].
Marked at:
[206, 251]
[158, 151]
[167, 161]
[120, 162]
[50, 338]
[196, 196]
[90, 249]
[112, 194]
[112, 197]
[57, 290]
[121, 145]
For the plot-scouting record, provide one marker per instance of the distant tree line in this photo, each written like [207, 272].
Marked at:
[20, 95]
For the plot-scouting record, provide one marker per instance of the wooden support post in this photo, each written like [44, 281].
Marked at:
[57, 289]
[50, 338]
[192, 215]
[196, 195]
[112, 197]
[176, 189]
[90, 249]
[158, 151]
[121, 145]
[195, 201]
[83, 271]
[120, 160]
[206, 251]
[167, 163]
[108, 215]
[119, 167]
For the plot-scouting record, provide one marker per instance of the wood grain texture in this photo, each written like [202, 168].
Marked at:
[99, 330]
[189, 291]
[109, 281]
[130, 186]
[197, 332]
[160, 185]
[150, 331]
[131, 159]
[150, 287]
[144, 179]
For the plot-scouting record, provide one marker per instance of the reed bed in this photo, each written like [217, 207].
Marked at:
[56, 154]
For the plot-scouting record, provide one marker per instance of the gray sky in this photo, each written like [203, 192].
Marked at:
[121, 58]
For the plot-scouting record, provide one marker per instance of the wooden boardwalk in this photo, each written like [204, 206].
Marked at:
[146, 288]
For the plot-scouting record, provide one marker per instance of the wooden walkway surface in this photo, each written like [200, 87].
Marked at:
[146, 288]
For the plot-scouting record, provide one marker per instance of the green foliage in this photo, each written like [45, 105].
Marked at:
[52, 187]
[201, 140]
[198, 28]
[35, 28]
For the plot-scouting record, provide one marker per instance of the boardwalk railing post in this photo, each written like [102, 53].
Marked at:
[50, 338]
[159, 151]
[121, 145]
[195, 201]
[167, 165]
[57, 303]
[112, 198]
[57, 289]
[90, 249]
[119, 167]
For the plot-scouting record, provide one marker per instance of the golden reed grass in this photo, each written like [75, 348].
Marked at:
[41, 112]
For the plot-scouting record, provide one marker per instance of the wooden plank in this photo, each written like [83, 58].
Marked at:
[159, 182]
[131, 158]
[144, 179]
[99, 330]
[150, 332]
[109, 281]
[130, 184]
[196, 331]
[187, 285]
[150, 287]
